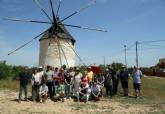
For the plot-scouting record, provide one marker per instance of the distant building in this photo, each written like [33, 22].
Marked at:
[162, 63]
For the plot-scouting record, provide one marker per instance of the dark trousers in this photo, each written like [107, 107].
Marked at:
[23, 88]
[95, 98]
[68, 91]
[109, 90]
[125, 87]
[35, 92]
[50, 91]
[53, 88]
[115, 86]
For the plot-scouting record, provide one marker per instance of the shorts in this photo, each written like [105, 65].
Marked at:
[137, 86]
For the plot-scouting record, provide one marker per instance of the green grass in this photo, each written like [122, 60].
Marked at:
[11, 85]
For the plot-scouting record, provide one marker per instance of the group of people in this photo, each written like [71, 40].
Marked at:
[63, 83]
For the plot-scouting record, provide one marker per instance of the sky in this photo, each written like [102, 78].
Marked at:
[126, 21]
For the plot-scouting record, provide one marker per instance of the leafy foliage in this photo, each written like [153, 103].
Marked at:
[9, 72]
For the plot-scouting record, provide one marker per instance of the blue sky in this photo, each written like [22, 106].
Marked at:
[127, 21]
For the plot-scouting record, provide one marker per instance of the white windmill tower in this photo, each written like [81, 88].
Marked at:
[56, 44]
[57, 51]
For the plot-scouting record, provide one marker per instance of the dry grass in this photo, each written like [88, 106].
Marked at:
[152, 102]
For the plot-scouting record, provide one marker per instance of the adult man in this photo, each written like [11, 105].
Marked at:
[43, 92]
[36, 82]
[124, 76]
[137, 75]
[108, 83]
[100, 82]
[41, 72]
[48, 76]
[24, 77]
[95, 91]
[68, 85]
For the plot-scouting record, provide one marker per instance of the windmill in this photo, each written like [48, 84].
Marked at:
[57, 46]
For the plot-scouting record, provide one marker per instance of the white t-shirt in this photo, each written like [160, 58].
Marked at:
[137, 76]
[43, 89]
[36, 78]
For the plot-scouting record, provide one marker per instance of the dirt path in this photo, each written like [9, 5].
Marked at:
[9, 106]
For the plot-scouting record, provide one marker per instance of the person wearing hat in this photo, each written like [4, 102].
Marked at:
[108, 83]
[41, 72]
[36, 82]
[137, 76]
[124, 77]
[77, 80]
[100, 81]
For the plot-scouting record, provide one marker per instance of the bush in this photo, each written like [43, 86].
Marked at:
[9, 72]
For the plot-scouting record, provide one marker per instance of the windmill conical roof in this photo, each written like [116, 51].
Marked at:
[62, 33]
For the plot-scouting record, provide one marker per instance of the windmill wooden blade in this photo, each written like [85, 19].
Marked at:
[59, 5]
[40, 7]
[81, 9]
[87, 28]
[21, 20]
[71, 48]
[25, 44]
[60, 46]
[51, 4]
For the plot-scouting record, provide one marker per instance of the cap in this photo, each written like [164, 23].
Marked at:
[89, 67]
[40, 67]
[106, 69]
[77, 68]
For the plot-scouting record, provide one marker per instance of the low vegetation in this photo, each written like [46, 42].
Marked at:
[153, 96]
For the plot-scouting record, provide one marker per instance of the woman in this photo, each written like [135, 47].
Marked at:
[60, 88]
[84, 92]
[49, 81]
[77, 80]
[84, 78]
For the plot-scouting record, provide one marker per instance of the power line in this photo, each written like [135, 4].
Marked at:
[130, 47]
[153, 41]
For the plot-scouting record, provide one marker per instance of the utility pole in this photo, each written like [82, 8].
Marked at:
[137, 65]
[125, 49]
